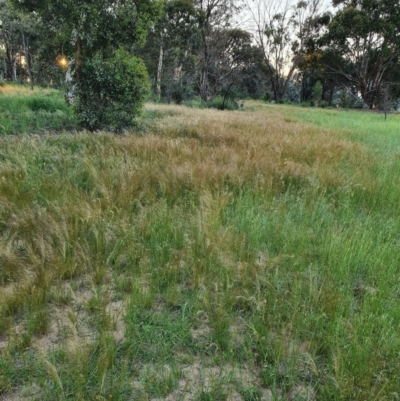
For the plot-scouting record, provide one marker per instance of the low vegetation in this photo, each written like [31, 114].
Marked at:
[222, 255]
[23, 111]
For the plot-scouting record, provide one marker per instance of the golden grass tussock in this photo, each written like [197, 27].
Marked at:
[261, 150]
[13, 89]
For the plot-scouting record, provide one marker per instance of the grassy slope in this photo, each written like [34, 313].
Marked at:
[224, 255]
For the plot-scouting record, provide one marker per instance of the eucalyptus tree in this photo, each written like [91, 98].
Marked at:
[282, 29]
[322, 64]
[170, 47]
[10, 38]
[98, 31]
[216, 18]
[231, 53]
[19, 34]
[367, 34]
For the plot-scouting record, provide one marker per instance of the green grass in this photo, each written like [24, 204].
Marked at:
[23, 111]
[370, 128]
[211, 257]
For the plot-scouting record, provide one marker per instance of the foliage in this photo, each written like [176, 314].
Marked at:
[283, 31]
[112, 92]
[101, 25]
[317, 92]
[19, 37]
[293, 92]
[222, 103]
[96, 29]
[365, 34]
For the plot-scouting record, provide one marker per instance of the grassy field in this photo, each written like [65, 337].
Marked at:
[23, 111]
[248, 255]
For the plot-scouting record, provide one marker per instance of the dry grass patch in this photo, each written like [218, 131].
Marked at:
[258, 149]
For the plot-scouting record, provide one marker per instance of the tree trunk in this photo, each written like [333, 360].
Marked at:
[159, 71]
[14, 70]
[203, 83]
[12, 64]
[78, 59]
[27, 59]
[331, 92]
[369, 98]
[276, 89]
[4, 67]
[226, 94]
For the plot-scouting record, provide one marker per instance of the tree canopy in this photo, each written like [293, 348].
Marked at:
[367, 34]
[202, 48]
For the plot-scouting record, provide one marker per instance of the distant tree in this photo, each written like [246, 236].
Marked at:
[170, 49]
[231, 54]
[322, 64]
[251, 76]
[367, 34]
[19, 36]
[317, 92]
[282, 29]
[10, 38]
[216, 18]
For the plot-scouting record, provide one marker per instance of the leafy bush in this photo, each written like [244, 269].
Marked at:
[219, 103]
[343, 98]
[111, 92]
[323, 104]
[195, 102]
[359, 104]
[317, 91]
[216, 103]
[267, 97]
[293, 92]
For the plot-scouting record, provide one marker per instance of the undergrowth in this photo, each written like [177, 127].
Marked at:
[22, 111]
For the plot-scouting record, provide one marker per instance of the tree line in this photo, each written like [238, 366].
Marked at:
[119, 51]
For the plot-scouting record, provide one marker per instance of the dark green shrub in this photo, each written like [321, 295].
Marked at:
[323, 104]
[317, 91]
[267, 97]
[219, 103]
[195, 102]
[111, 92]
[359, 104]
[45, 104]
